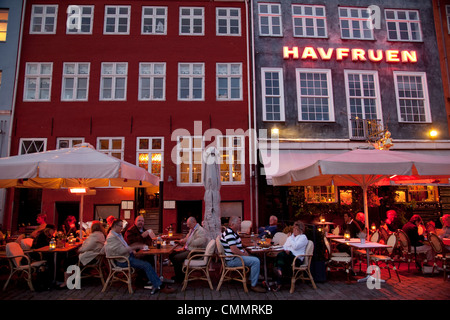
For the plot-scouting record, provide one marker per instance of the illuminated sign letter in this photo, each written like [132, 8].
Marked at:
[309, 52]
[409, 56]
[392, 56]
[374, 58]
[288, 52]
[341, 53]
[358, 54]
[323, 55]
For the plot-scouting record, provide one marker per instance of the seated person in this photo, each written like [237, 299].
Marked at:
[69, 226]
[412, 231]
[272, 227]
[42, 222]
[93, 245]
[352, 226]
[138, 234]
[392, 222]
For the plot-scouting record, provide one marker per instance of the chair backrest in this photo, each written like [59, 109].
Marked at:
[436, 243]
[327, 245]
[209, 251]
[383, 233]
[375, 236]
[219, 246]
[14, 249]
[279, 238]
[403, 240]
[246, 225]
[336, 231]
[392, 241]
[308, 252]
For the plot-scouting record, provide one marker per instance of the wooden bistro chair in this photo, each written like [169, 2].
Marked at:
[93, 269]
[246, 226]
[404, 245]
[388, 259]
[337, 260]
[441, 253]
[305, 267]
[231, 273]
[199, 260]
[26, 268]
[117, 273]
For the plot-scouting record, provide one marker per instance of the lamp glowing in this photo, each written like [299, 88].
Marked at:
[275, 131]
[78, 190]
[433, 133]
[347, 236]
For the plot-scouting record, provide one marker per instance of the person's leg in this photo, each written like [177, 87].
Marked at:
[178, 261]
[149, 271]
[254, 264]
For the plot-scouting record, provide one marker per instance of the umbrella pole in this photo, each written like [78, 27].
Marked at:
[366, 208]
[81, 216]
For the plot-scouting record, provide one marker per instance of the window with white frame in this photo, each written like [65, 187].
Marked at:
[113, 81]
[232, 158]
[154, 20]
[75, 81]
[3, 23]
[150, 155]
[412, 96]
[272, 94]
[152, 79]
[62, 143]
[38, 80]
[363, 99]
[191, 81]
[403, 25]
[43, 19]
[309, 21]
[314, 95]
[189, 160]
[320, 194]
[228, 21]
[80, 19]
[117, 20]
[447, 11]
[32, 145]
[111, 146]
[229, 81]
[355, 23]
[192, 21]
[270, 19]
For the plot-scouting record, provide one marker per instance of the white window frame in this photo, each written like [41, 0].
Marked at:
[151, 75]
[76, 76]
[77, 16]
[110, 151]
[154, 18]
[426, 101]
[191, 75]
[264, 95]
[150, 151]
[44, 15]
[191, 17]
[39, 77]
[397, 21]
[33, 141]
[228, 76]
[114, 77]
[270, 15]
[4, 15]
[65, 142]
[318, 195]
[363, 20]
[305, 17]
[117, 15]
[198, 161]
[228, 19]
[329, 96]
[227, 152]
[447, 14]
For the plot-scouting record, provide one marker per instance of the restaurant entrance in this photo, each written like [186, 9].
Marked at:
[185, 209]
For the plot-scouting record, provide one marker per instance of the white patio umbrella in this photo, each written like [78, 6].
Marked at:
[366, 168]
[211, 182]
[80, 166]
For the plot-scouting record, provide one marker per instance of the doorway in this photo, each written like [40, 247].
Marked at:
[185, 209]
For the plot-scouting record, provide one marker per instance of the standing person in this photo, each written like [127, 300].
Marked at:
[195, 239]
[295, 245]
[411, 228]
[117, 246]
[232, 245]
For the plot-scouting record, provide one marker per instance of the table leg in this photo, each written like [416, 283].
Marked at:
[368, 275]
[265, 272]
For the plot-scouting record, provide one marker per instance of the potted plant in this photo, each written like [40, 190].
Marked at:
[362, 236]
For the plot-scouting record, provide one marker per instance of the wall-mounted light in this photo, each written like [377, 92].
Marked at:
[275, 132]
[433, 134]
[78, 190]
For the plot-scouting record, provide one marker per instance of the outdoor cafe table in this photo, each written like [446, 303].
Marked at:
[164, 250]
[368, 245]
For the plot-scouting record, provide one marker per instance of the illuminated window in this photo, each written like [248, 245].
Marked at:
[189, 160]
[38, 79]
[273, 94]
[400, 196]
[320, 194]
[68, 142]
[403, 25]
[232, 158]
[113, 85]
[192, 21]
[412, 96]
[3, 24]
[75, 82]
[422, 193]
[117, 20]
[191, 81]
[270, 19]
[309, 21]
[228, 21]
[32, 145]
[315, 95]
[154, 20]
[354, 23]
[111, 146]
[346, 196]
[152, 80]
[150, 155]
[229, 81]
[43, 19]
[80, 19]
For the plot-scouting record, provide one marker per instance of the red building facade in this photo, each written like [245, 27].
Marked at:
[154, 83]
